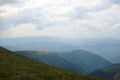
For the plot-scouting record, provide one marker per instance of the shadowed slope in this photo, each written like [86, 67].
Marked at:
[78, 61]
[15, 67]
[112, 73]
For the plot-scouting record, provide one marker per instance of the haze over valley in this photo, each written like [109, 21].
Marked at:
[59, 39]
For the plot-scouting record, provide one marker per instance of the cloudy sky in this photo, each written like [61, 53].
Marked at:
[60, 18]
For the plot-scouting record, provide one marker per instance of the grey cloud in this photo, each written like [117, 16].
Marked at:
[78, 13]
[28, 16]
[107, 4]
[116, 1]
[25, 16]
[3, 2]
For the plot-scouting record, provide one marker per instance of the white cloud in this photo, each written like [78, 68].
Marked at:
[18, 31]
[116, 26]
[30, 29]
[61, 18]
[7, 11]
[104, 18]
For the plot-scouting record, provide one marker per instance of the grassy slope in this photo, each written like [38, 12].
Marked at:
[16, 67]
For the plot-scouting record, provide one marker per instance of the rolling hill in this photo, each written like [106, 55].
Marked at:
[111, 73]
[16, 67]
[78, 61]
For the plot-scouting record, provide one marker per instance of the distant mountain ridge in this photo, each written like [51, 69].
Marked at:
[109, 48]
[16, 67]
[79, 61]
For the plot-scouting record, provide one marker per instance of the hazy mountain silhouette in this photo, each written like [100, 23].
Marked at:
[79, 61]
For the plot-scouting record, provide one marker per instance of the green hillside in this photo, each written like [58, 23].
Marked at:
[16, 67]
[112, 73]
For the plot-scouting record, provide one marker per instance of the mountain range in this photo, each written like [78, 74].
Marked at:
[108, 48]
[16, 67]
[79, 61]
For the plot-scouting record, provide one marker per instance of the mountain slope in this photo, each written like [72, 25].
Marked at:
[112, 73]
[107, 48]
[51, 58]
[87, 60]
[16, 67]
[76, 61]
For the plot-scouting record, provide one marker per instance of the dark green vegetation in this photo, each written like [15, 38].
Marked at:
[79, 61]
[112, 73]
[16, 67]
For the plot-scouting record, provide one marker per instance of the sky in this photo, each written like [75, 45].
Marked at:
[60, 18]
